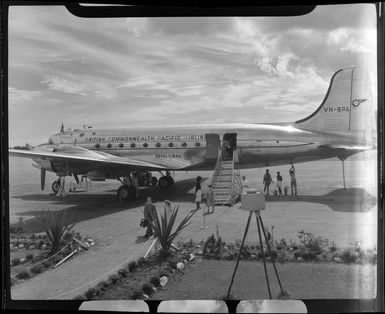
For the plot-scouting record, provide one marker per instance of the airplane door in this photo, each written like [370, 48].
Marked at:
[212, 145]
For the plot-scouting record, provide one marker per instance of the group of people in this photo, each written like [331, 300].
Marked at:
[209, 196]
[150, 211]
[267, 180]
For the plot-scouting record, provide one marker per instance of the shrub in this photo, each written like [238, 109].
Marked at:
[155, 280]
[90, 293]
[15, 261]
[113, 278]
[123, 272]
[163, 226]
[101, 287]
[80, 297]
[23, 275]
[132, 266]
[29, 257]
[56, 224]
[141, 261]
[37, 269]
[137, 295]
[148, 288]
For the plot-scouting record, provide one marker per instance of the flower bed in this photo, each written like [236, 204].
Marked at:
[308, 249]
[30, 254]
[140, 279]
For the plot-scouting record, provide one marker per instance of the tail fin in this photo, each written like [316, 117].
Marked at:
[348, 105]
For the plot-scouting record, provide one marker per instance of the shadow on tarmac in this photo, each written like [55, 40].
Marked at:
[91, 205]
[343, 200]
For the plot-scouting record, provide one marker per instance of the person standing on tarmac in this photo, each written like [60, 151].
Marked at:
[293, 180]
[198, 193]
[267, 180]
[279, 183]
[149, 213]
[61, 192]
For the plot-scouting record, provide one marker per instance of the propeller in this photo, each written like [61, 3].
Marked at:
[42, 178]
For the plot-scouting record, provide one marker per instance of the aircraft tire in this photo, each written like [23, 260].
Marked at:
[55, 186]
[126, 193]
[154, 180]
[163, 182]
[170, 181]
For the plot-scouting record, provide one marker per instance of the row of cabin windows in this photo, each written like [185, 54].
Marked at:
[133, 145]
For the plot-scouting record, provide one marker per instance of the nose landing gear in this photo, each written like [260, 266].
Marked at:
[56, 186]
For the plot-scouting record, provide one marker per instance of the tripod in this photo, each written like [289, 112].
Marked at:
[259, 221]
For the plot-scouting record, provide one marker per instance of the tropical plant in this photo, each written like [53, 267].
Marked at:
[163, 227]
[56, 225]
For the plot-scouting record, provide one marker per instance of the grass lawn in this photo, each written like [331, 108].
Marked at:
[210, 279]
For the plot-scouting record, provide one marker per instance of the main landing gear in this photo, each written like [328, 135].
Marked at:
[166, 181]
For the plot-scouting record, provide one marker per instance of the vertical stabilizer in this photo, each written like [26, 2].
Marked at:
[348, 105]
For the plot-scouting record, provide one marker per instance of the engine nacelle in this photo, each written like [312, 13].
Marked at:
[95, 176]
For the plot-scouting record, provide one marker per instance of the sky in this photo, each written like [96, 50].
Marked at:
[123, 72]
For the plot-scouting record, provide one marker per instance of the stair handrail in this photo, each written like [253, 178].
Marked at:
[217, 166]
[235, 173]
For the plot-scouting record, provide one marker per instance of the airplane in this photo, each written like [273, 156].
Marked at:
[339, 127]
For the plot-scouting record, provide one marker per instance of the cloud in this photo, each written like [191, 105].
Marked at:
[57, 83]
[17, 97]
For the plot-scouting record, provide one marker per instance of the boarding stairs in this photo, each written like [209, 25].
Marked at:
[226, 180]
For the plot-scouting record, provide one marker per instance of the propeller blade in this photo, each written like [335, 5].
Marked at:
[76, 177]
[42, 178]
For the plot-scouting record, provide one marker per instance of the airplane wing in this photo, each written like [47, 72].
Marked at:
[81, 160]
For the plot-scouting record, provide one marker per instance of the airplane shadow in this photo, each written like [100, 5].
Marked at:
[89, 205]
[342, 200]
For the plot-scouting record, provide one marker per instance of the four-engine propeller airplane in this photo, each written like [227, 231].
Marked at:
[338, 128]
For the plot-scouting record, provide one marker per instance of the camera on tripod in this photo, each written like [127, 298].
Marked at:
[253, 200]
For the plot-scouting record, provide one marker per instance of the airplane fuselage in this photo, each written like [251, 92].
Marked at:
[196, 147]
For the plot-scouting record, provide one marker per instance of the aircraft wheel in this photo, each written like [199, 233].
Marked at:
[56, 186]
[163, 182]
[170, 181]
[126, 192]
[154, 180]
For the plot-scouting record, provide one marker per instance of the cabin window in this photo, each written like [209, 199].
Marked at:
[197, 144]
[121, 145]
[145, 144]
[97, 145]
[184, 144]
[132, 145]
[277, 141]
[157, 144]
[109, 145]
[81, 134]
[93, 133]
[170, 144]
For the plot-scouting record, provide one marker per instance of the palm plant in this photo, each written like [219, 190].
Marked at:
[163, 227]
[56, 225]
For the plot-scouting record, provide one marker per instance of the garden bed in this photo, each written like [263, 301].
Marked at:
[140, 279]
[30, 254]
